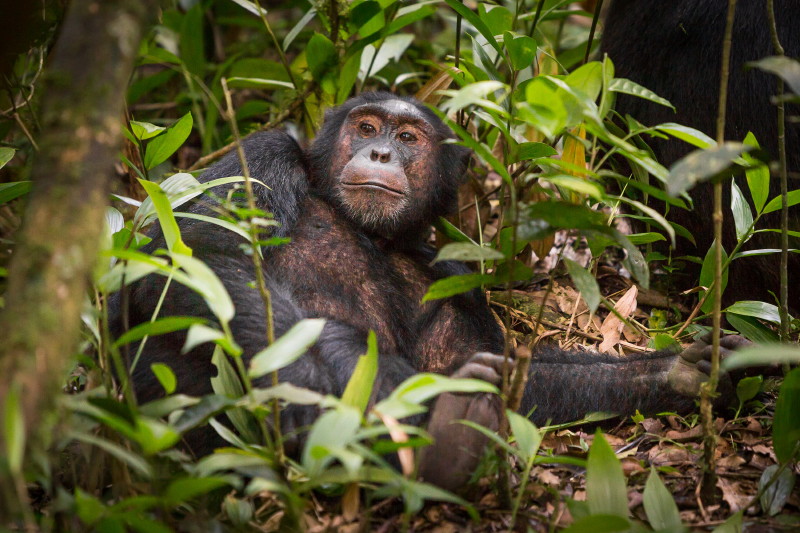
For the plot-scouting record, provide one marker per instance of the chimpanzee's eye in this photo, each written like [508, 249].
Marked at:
[407, 137]
[367, 128]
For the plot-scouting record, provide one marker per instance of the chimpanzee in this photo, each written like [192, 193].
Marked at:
[674, 48]
[357, 207]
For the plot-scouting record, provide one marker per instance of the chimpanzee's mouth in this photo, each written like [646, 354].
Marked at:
[374, 185]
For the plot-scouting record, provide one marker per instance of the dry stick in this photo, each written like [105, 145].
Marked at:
[283, 115]
[266, 297]
[784, 310]
[709, 388]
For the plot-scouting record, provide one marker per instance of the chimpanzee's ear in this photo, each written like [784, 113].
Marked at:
[457, 159]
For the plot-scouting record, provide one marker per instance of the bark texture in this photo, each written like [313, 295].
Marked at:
[83, 102]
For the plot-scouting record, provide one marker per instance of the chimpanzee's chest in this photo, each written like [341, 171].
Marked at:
[338, 273]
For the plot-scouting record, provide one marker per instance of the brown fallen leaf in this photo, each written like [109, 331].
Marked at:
[612, 326]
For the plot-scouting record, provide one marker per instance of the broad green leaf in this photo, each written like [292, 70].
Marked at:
[366, 18]
[751, 328]
[534, 150]
[135, 461]
[452, 232]
[14, 189]
[392, 49]
[203, 280]
[762, 310]
[199, 334]
[465, 251]
[288, 348]
[579, 185]
[605, 482]
[685, 133]
[757, 175]
[165, 376]
[474, 94]
[786, 424]
[157, 327]
[785, 67]
[497, 18]
[6, 154]
[707, 277]
[359, 388]
[230, 226]
[191, 44]
[521, 50]
[527, 435]
[742, 216]
[453, 285]
[332, 431]
[774, 497]
[169, 227]
[166, 144]
[793, 198]
[622, 85]
[585, 283]
[184, 489]
[748, 387]
[588, 79]
[407, 398]
[702, 165]
[321, 55]
[662, 513]
[153, 435]
[145, 130]
[544, 107]
[762, 355]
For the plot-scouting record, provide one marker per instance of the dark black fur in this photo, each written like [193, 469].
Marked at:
[674, 48]
[361, 281]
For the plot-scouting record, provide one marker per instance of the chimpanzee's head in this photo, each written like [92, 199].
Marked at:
[381, 161]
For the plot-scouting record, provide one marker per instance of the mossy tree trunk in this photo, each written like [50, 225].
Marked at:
[83, 99]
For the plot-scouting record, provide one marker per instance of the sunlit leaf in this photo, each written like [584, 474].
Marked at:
[288, 348]
[163, 146]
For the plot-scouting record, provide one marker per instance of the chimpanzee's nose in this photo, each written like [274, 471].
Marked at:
[380, 154]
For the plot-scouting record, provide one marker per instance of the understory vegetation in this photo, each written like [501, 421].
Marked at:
[564, 219]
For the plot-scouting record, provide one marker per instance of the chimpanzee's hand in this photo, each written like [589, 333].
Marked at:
[693, 365]
[452, 458]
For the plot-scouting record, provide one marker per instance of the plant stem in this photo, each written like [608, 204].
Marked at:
[709, 388]
[784, 269]
[596, 17]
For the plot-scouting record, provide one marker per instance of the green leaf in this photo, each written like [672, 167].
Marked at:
[332, 431]
[793, 198]
[287, 349]
[685, 133]
[321, 55]
[588, 79]
[742, 216]
[14, 429]
[762, 310]
[465, 251]
[702, 165]
[707, 277]
[135, 461]
[165, 376]
[748, 387]
[622, 85]
[774, 497]
[201, 278]
[359, 388]
[6, 154]
[169, 226]
[184, 489]
[585, 283]
[251, 7]
[751, 328]
[166, 144]
[762, 355]
[407, 398]
[453, 285]
[605, 482]
[662, 513]
[521, 50]
[786, 424]
[534, 150]
[12, 190]
[527, 435]
[757, 175]
[544, 107]
[295, 31]
[145, 130]
[258, 83]
[157, 327]
[785, 67]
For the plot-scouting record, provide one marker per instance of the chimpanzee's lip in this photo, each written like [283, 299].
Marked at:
[373, 185]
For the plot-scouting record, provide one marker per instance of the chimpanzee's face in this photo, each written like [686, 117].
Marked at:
[385, 164]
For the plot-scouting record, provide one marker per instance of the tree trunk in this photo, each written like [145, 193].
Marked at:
[82, 108]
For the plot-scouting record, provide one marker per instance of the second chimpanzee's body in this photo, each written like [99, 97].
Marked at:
[357, 207]
[675, 49]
